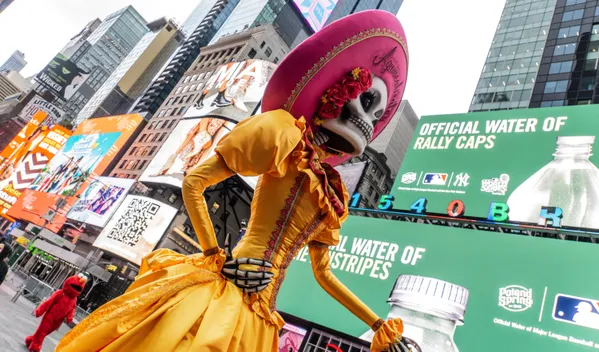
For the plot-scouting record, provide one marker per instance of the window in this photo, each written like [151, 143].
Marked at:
[573, 15]
[268, 52]
[186, 89]
[200, 86]
[556, 87]
[591, 63]
[564, 49]
[568, 32]
[262, 45]
[276, 60]
[224, 215]
[170, 101]
[153, 150]
[595, 32]
[123, 164]
[551, 103]
[187, 79]
[560, 67]
[583, 102]
[173, 198]
[483, 98]
[169, 112]
[194, 77]
[587, 83]
[252, 53]
[173, 112]
[182, 110]
[596, 11]
[574, 2]
[193, 88]
[214, 207]
[143, 137]
[178, 90]
[143, 163]
[133, 150]
[176, 100]
[501, 97]
[162, 112]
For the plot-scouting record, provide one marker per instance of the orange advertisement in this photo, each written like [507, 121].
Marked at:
[83, 158]
[18, 144]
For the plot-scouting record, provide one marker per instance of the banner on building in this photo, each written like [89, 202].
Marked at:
[524, 160]
[233, 90]
[37, 103]
[316, 12]
[351, 174]
[34, 147]
[136, 227]
[83, 158]
[191, 143]
[517, 290]
[100, 200]
[62, 77]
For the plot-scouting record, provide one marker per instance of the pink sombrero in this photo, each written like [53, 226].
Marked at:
[374, 40]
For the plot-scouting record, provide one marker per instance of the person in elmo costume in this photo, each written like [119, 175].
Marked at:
[60, 306]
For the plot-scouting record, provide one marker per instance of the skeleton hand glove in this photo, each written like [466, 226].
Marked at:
[248, 281]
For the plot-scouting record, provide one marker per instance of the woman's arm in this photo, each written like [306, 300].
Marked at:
[210, 172]
[319, 256]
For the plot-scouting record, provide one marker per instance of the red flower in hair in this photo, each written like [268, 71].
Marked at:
[329, 111]
[338, 95]
[354, 89]
[365, 79]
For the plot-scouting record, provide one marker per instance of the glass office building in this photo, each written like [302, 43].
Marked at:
[510, 71]
[348, 7]
[569, 66]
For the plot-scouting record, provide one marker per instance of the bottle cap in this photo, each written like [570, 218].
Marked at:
[430, 296]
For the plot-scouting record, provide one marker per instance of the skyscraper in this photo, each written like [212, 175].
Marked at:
[4, 4]
[217, 11]
[105, 47]
[510, 71]
[348, 7]
[570, 62]
[135, 72]
[15, 62]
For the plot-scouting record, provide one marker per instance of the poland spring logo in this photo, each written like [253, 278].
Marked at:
[515, 298]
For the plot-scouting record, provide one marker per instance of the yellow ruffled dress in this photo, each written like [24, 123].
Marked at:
[180, 303]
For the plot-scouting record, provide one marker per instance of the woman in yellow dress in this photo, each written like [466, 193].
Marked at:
[326, 101]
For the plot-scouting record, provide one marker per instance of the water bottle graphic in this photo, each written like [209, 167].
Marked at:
[570, 182]
[431, 310]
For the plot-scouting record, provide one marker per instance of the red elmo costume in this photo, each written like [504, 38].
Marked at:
[60, 306]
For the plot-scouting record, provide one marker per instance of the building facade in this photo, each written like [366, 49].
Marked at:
[163, 85]
[4, 4]
[511, 67]
[395, 140]
[102, 51]
[348, 7]
[569, 65]
[16, 62]
[8, 86]
[258, 43]
[135, 72]
[375, 181]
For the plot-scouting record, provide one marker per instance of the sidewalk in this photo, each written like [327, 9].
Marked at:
[17, 322]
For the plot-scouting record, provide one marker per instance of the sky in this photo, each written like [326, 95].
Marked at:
[448, 40]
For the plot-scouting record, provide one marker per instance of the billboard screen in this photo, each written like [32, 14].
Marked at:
[351, 174]
[233, 90]
[100, 200]
[190, 144]
[83, 158]
[515, 160]
[316, 12]
[31, 151]
[136, 227]
[37, 103]
[523, 293]
[62, 77]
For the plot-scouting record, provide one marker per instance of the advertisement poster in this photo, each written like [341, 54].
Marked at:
[84, 158]
[190, 144]
[316, 12]
[136, 227]
[520, 293]
[291, 338]
[526, 158]
[100, 200]
[37, 103]
[18, 144]
[62, 77]
[19, 171]
[233, 90]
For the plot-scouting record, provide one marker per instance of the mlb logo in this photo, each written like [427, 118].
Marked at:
[435, 179]
[576, 310]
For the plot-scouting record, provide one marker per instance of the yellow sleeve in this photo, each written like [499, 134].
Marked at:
[386, 333]
[261, 144]
[210, 172]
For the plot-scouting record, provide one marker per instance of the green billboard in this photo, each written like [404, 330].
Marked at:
[520, 293]
[527, 159]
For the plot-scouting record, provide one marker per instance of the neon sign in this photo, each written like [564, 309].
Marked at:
[498, 212]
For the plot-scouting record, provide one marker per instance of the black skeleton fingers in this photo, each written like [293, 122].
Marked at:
[248, 281]
[405, 345]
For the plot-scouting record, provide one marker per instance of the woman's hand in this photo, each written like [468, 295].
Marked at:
[248, 281]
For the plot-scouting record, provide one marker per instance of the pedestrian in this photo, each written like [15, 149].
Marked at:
[56, 309]
[5, 253]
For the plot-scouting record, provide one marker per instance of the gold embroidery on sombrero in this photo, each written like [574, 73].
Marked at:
[375, 32]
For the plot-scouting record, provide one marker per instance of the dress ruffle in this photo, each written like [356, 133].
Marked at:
[388, 334]
[324, 179]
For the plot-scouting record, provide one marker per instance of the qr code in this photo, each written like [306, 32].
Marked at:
[134, 221]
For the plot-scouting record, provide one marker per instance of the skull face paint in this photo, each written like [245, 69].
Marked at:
[352, 131]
